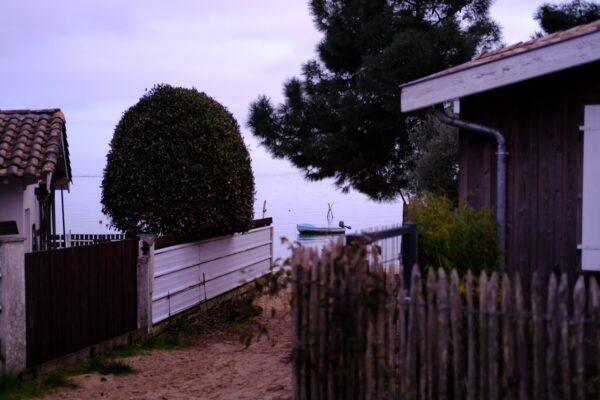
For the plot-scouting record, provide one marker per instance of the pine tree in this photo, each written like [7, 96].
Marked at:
[341, 119]
[558, 17]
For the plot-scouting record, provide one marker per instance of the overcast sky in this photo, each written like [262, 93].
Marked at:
[95, 58]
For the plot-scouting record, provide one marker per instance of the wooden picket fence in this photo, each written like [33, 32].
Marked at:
[359, 335]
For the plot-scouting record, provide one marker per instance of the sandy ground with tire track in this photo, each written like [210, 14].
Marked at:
[216, 366]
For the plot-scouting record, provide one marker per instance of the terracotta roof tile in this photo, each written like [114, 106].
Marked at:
[31, 143]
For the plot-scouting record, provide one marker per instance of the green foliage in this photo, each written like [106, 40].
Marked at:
[460, 238]
[342, 118]
[170, 340]
[16, 387]
[558, 17]
[178, 164]
[435, 159]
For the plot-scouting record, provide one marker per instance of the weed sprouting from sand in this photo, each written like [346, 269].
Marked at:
[14, 387]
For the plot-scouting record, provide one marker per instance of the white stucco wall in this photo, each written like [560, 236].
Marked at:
[15, 199]
[30, 217]
[11, 201]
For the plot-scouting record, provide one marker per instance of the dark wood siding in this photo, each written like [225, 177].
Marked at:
[540, 119]
[78, 297]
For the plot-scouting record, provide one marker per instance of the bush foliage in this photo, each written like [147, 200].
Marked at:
[460, 238]
[178, 164]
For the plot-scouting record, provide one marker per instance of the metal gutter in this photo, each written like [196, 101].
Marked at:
[500, 171]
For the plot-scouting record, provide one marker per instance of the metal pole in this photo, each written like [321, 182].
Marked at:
[53, 215]
[62, 206]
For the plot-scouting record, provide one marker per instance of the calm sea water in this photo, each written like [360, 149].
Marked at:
[290, 200]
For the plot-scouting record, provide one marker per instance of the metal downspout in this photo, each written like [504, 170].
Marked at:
[500, 172]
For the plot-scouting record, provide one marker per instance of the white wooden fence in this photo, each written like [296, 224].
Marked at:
[188, 274]
[84, 239]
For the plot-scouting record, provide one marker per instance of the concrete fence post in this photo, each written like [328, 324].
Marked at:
[145, 281]
[13, 349]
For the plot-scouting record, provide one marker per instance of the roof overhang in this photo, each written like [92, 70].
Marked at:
[554, 57]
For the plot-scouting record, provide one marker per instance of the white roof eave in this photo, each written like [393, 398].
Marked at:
[519, 67]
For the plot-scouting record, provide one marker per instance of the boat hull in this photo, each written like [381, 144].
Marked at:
[307, 229]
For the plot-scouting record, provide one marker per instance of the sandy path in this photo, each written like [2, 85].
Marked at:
[213, 368]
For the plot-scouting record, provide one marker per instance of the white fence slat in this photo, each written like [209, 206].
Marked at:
[160, 310]
[189, 254]
[235, 279]
[179, 279]
[223, 266]
[184, 300]
[176, 282]
[184, 274]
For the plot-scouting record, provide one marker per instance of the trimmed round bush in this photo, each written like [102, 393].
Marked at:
[178, 164]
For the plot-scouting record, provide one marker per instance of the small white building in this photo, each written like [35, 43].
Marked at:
[34, 163]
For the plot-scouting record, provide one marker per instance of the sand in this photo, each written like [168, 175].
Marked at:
[216, 366]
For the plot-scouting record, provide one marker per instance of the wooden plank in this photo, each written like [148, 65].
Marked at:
[297, 288]
[324, 319]
[428, 381]
[345, 357]
[521, 342]
[538, 338]
[314, 326]
[401, 330]
[359, 391]
[422, 312]
[369, 357]
[391, 349]
[552, 333]
[411, 383]
[80, 307]
[337, 338]
[563, 336]
[456, 328]
[307, 342]
[579, 319]
[483, 343]
[333, 328]
[471, 346]
[456, 322]
[492, 337]
[508, 353]
[537, 120]
[56, 283]
[381, 318]
[442, 334]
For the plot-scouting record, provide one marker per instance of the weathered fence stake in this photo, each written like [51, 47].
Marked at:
[357, 337]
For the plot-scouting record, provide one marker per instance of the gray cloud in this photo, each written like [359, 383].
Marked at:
[95, 58]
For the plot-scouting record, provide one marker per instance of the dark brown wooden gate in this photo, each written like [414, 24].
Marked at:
[78, 297]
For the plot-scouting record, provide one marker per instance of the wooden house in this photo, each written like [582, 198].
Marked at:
[543, 97]
[34, 163]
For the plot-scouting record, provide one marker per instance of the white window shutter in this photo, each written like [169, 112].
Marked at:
[590, 235]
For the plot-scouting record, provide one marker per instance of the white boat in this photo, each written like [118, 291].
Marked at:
[309, 229]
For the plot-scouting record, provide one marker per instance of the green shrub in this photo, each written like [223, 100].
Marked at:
[460, 238]
[178, 164]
